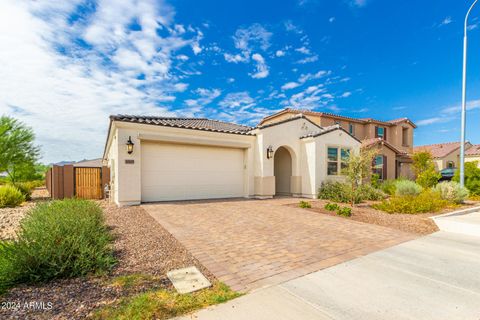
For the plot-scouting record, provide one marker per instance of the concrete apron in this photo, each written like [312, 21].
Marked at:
[465, 221]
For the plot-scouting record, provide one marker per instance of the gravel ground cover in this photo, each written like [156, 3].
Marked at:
[141, 245]
[412, 223]
[10, 217]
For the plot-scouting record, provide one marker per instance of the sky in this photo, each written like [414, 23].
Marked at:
[65, 66]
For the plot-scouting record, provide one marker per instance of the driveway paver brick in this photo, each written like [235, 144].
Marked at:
[249, 244]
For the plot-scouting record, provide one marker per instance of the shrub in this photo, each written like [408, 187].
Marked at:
[389, 186]
[304, 204]
[59, 239]
[335, 191]
[428, 178]
[374, 180]
[427, 201]
[407, 188]
[10, 196]
[472, 177]
[331, 206]
[367, 192]
[25, 188]
[451, 191]
[345, 211]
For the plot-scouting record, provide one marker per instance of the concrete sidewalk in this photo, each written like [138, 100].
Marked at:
[435, 277]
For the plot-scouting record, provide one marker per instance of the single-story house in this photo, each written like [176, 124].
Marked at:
[164, 159]
[445, 155]
[473, 153]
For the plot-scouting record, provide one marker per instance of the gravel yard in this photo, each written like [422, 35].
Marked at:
[142, 246]
[10, 217]
[412, 223]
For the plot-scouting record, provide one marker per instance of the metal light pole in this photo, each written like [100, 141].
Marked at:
[464, 97]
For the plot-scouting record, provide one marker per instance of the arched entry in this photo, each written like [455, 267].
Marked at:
[282, 169]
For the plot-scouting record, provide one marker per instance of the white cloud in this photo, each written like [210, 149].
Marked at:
[312, 97]
[308, 59]
[446, 21]
[280, 53]
[331, 19]
[237, 100]
[290, 85]
[359, 3]
[251, 37]
[67, 96]
[235, 58]
[261, 67]
[303, 50]
[346, 94]
[231, 80]
[429, 121]
[206, 96]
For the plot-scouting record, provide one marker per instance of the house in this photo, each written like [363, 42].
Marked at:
[473, 154]
[445, 155]
[164, 159]
[394, 138]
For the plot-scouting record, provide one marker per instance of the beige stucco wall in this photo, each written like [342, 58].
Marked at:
[473, 158]
[308, 169]
[441, 163]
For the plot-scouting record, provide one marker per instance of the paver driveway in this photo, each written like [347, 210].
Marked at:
[250, 244]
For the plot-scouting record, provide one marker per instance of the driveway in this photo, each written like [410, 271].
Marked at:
[436, 277]
[250, 244]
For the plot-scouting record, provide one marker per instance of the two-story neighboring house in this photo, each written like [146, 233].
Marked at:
[394, 138]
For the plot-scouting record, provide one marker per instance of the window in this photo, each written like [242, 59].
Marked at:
[381, 132]
[336, 160]
[351, 129]
[450, 164]
[405, 137]
[378, 166]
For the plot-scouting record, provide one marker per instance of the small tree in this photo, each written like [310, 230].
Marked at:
[472, 177]
[359, 167]
[424, 169]
[17, 151]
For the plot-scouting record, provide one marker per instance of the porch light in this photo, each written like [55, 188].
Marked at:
[130, 145]
[269, 152]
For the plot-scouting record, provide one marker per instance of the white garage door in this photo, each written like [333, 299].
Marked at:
[184, 172]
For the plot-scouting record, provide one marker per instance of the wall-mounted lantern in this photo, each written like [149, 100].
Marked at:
[269, 152]
[130, 145]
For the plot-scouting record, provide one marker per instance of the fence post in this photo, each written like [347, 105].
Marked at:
[68, 181]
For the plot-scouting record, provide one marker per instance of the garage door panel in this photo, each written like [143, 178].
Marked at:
[182, 172]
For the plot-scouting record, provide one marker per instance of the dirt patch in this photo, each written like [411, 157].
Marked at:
[413, 223]
[141, 245]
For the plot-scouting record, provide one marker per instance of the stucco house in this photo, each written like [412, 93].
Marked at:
[164, 159]
[445, 155]
[473, 153]
[393, 138]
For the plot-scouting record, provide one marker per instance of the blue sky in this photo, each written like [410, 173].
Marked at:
[67, 66]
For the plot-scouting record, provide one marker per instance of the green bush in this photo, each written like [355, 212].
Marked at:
[10, 196]
[331, 206]
[428, 178]
[374, 180]
[368, 192]
[451, 191]
[427, 201]
[304, 204]
[407, 188]
[25, 188]
[59, 239]
[472, 177]
[389, 186]
[337, 192]
[345, 211]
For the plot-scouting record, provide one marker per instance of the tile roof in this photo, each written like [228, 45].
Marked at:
[473, 150]
[439, 150]
[371, 142]
[186, 123]
[324, 130]
[361, 120]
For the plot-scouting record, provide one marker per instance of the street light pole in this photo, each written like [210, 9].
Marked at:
[464, 97]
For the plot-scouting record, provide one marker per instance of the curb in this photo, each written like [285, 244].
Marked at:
[457, 213]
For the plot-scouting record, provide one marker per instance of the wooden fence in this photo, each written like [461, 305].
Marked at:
[83, 182]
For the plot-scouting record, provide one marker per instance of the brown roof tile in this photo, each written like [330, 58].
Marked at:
[473, 150]
[186, 123]
[373, 141]
[439, 150]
